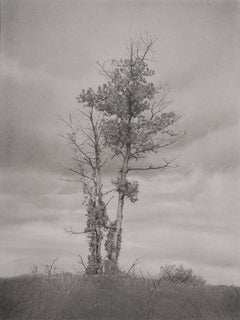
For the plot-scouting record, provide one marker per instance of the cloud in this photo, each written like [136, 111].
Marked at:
[216, 151]
[29, 128]
[210, 103]
[32, 196]
[198, 197]
[39, 243]
[33, 101]
[194, 221]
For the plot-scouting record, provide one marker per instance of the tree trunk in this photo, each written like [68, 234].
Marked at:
[96, 217]
[118, 228]
[114, 235]
[94, 258]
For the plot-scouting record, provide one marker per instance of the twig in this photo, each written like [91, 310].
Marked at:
[74, 232]
[82, 262]
[136, 262]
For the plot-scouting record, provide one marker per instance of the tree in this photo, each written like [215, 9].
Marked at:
[132, 123]
[86, 144]
[135, 124]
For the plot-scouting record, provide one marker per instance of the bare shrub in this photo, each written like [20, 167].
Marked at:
[180, 275]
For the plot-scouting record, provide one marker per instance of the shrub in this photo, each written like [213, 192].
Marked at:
[180, 275]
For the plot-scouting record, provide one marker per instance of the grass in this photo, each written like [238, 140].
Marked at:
[66, 296]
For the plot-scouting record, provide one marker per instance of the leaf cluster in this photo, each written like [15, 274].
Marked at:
[129, 189]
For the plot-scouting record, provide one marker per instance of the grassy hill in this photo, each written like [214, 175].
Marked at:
[65, 296]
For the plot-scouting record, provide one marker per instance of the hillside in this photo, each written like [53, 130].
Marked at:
[65, 296]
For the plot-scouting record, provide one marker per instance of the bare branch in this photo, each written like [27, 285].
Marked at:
[166, 165]
[104, 162]
[67, 179]
[82, 262]
[156, 146]
[170, 142]
[70, 230]
[51, 266]
[87, 135]
[84, 154]
[103, 70]
[149, 43]
[66, 122]
[84, 113]
[136, 262]
[82, 174]
[158, 106]
[109, 191]
[107, 203]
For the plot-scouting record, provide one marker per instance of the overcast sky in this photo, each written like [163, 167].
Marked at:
[189, 215]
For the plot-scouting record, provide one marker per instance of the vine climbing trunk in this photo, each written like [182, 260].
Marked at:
[97, 217]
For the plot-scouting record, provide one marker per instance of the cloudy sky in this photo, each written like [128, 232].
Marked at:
[189, 215]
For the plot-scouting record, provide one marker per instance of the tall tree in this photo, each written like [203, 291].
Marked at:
[86, 144]
[132, 122]
[135, 125]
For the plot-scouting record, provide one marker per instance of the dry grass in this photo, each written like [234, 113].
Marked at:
[63, 296]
